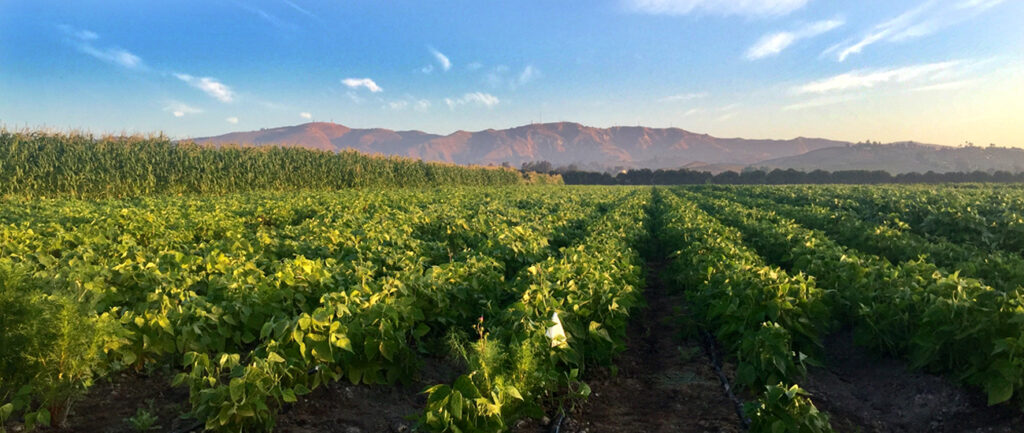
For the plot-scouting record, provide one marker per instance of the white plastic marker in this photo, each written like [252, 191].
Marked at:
[556, 333]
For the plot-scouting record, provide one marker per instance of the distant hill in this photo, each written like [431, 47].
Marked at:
[626, 147]
[903, 158]
[559, 143]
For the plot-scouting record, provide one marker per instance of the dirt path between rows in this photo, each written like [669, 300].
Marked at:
[866, 393]
[665, 383]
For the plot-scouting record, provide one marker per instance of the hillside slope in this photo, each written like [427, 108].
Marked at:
[560, 143]
[903, 158]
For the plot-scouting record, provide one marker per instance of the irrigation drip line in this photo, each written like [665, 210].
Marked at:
[711, 349]
[557, 425]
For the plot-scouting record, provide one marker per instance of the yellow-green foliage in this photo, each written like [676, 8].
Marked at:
[535, 178]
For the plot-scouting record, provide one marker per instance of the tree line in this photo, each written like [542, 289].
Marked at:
[781, 177]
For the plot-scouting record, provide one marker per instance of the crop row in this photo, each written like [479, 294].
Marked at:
[938, 320]
[259, 298]
[894, 240]
[770, 321]
[983, 217]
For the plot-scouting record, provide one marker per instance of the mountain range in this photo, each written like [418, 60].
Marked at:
[624, 147]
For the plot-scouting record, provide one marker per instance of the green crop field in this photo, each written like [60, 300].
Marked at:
[251, 303]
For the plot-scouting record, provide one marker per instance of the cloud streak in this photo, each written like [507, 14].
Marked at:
[301, 9]
[83, 40]
[180, 109]
[683, 97]
[529, 74]
[923, 20]
[368, 84]
[774, 43]
[215, 89]
[750, 8]
[442, 59]
[869, 78]
[481, 99]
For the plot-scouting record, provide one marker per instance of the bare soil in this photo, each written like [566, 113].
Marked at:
[346, 408]
[866, 393]
[665, 382]
[110, 403]
[337, 407]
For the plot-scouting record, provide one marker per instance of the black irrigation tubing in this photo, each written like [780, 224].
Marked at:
[709, 346]
[557, 425]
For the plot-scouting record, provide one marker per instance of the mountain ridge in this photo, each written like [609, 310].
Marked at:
[630, 147]
[560, 143]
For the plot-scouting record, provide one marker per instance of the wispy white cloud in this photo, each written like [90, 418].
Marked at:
[476, 98]
[474, 66]
[355, 83]
[753, 8]
[422, 105]
[925, 19]
[501, 76]
[683, 97]
[868, 78]
[81, 34]
[693, 111]
[232, 120]
[266, 16]
[116, 56]
[772, 44]
[306, 115]
[948, 85]
[300, 9]
[442, 59]
[210, 86]
[419, 105]
[529, 74]
[728, 111]
[180, 109]
[84, 41]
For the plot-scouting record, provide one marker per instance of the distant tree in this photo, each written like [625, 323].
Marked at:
[538, 166]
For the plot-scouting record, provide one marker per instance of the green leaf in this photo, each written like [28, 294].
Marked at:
[274, 357]
[421, 330]
[998, 391]
[354, 375]
[341, 341]
[43, 417]
[386, 350]
[237, 389]
[465, 385]
[514, 392]
[456, 404]
[288, 396]
[6, 411]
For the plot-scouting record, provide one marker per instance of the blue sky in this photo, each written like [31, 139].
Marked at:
[936, 71]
